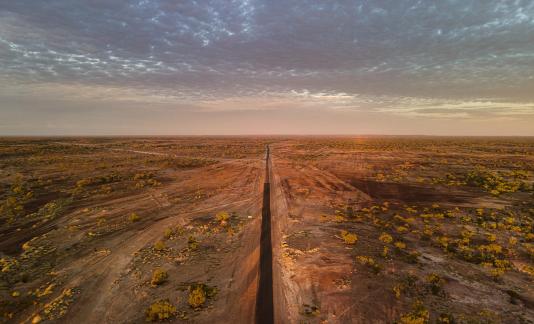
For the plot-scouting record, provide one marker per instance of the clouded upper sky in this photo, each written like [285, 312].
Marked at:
[267, 66]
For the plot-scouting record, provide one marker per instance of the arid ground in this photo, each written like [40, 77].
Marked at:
[364, 229]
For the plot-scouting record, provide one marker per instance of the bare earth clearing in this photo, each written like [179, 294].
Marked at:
[364, 229]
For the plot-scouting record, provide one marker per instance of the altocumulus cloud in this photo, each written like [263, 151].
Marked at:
[422, 60]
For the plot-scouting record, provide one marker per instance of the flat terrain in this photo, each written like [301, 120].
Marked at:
[378, 230]
[87, 222]
[364, 229]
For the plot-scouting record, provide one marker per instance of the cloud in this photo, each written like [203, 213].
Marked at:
[447, 58]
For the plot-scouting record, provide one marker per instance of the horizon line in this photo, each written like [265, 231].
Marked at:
[244, 135]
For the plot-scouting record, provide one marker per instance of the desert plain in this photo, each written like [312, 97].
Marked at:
[365, 229]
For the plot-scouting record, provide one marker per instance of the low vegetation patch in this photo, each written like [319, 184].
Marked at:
[134, 217]
[199, 293]
[418, 315]
[159, 246]
[159, 276]
[160, 311]
[349, 238]
[370, 263]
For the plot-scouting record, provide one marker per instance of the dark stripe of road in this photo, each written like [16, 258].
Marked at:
[264, 299]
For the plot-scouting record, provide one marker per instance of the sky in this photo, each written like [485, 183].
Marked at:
[161, 67]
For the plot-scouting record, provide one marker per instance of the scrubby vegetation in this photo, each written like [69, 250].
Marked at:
[159, 246]
[160, 311]
[89, 204]
[437, 221]
[411, 226]
[199, 293]
[159, 276]
[496, 184]
[418, 315]
[14, 203]
[370, 263]
[134, 217]
[349, 238]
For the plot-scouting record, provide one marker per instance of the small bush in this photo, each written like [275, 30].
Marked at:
[386, 238]
[222, 217]
[397, 290]
[402, 229]
[199, 293]
[192, 243]
[159, 246]
[435, 283]
[418, 315]
[26, 246]
[369, 263]
[134, 217]
[168, 233]
[160, 311]
[385, 252]
[159, 276]
[197, 297]
[445, 319]
[349, 238]
[512, 240]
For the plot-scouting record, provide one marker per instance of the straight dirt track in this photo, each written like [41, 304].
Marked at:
[264, 299]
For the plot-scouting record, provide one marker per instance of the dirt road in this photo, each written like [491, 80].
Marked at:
[264, 300]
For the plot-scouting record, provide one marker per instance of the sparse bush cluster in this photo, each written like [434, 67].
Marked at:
[199, 293]
[349, 238]
[160, 311]
[159, 246]
[159, 276]
[222, 217]
[144, 179]
[418, 315]
[370, 263]
[188, 163]
[495, 183]
[134, 217]
[13, 207]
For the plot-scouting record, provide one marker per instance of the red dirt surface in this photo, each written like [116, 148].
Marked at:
[364, 229]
